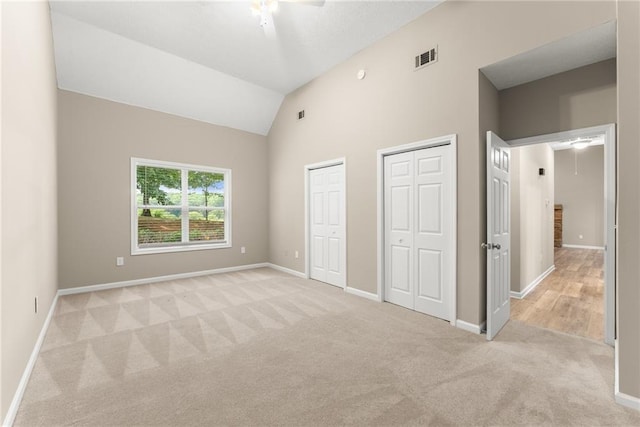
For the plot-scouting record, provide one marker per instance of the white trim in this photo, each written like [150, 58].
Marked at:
[307, 229]
[287, 270]
[553, 137]
[326, 163]
[622, 398]
[610, 197]
[126, 283]
[364, 294]
[452, 140]
[184, 245]
[627, 400]
[531, 286]
[601, 248]
[347, 289]
[469, 327]
[611, 245]
[22, 385]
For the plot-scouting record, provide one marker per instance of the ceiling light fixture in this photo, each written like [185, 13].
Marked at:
[264, 9]
[579, 144]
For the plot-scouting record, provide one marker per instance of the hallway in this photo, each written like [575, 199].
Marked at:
[571, 299]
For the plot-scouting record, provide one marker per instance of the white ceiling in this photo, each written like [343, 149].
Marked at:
[211, 61]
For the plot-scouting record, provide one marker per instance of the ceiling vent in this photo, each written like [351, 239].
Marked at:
[301, 115]
[426, 58]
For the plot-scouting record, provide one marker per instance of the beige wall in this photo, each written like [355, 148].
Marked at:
[531, 214]
[575, 99]
[628, 292]
[97, 139]
[395, 105]
[28, 176]
[581, 194]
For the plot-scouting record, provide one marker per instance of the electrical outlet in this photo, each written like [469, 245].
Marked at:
[119, 261]
[35, 305]
[243, 250]
[297, 255]
[580, 236]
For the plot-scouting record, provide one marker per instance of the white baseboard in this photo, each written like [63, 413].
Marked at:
[628, 401]
[601, 248]
[24, 380]
[469, 327]
[354, 291]
[125, 283]
[531, 286]
[287, 270]
[363, 294]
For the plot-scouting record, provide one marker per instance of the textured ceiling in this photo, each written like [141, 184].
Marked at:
[587, 47]
[211, 61]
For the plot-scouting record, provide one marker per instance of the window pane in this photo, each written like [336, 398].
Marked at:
[206, 225]
[163, 226]
[158, 186]
[206, 189]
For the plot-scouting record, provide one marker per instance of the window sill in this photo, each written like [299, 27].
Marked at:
[180, 248]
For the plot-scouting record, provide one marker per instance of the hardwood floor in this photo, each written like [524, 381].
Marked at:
[571, 299]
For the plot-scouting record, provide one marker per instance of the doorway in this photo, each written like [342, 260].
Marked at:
[417, 226]
[326, 222]
[607, 133]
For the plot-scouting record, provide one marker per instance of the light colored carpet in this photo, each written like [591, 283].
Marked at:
[264, 348]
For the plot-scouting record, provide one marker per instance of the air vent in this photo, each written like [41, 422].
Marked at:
[300, 115]
[426, 58]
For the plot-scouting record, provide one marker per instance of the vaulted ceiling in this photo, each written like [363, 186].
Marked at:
[211, 60]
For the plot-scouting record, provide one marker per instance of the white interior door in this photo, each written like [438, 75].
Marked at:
[498, 234]
[327, 225]
[399, 229]
[418, 230]
[434, 227]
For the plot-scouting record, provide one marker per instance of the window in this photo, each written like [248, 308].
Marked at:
[177, 207]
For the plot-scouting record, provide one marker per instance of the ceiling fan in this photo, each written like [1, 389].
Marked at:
[264, 9]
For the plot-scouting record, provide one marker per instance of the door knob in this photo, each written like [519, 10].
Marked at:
[400, 240]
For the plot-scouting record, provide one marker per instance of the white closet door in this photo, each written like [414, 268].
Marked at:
[433, 230]
[418, 228]
[327, 220]
[398, 212]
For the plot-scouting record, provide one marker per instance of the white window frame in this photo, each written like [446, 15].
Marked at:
[184, 245]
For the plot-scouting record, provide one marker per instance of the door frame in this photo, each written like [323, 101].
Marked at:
[307, 203]
[451, 140]
[610, 219]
